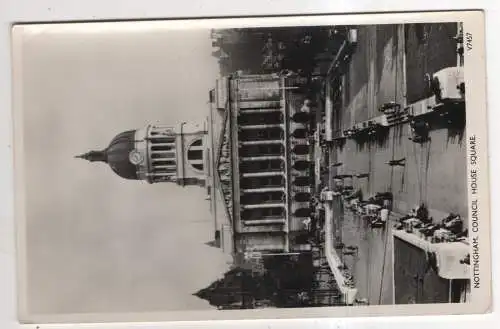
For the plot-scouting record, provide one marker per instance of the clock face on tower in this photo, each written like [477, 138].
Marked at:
[136, 157]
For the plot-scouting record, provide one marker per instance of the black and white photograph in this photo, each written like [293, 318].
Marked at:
[247, 167]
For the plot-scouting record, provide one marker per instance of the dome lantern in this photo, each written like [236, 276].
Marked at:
[94, 156]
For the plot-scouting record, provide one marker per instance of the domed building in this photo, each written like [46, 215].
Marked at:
[157, 154]
[251, 156]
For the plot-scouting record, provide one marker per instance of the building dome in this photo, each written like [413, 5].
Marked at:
[117, 155]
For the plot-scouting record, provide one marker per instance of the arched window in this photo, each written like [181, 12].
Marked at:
[195, 154]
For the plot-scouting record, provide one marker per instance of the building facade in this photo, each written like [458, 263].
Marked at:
[261, 177]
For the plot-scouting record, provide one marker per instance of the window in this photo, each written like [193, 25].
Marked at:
[197, 143]
[195, 154]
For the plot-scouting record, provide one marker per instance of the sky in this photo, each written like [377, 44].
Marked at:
[95, 242]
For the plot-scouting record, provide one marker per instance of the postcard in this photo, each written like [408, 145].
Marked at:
[251, 168]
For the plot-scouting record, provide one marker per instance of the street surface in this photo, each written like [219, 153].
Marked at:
[371, 266]
[389, 65]
[435, 172]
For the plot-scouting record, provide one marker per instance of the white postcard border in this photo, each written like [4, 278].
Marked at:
[475, 77]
